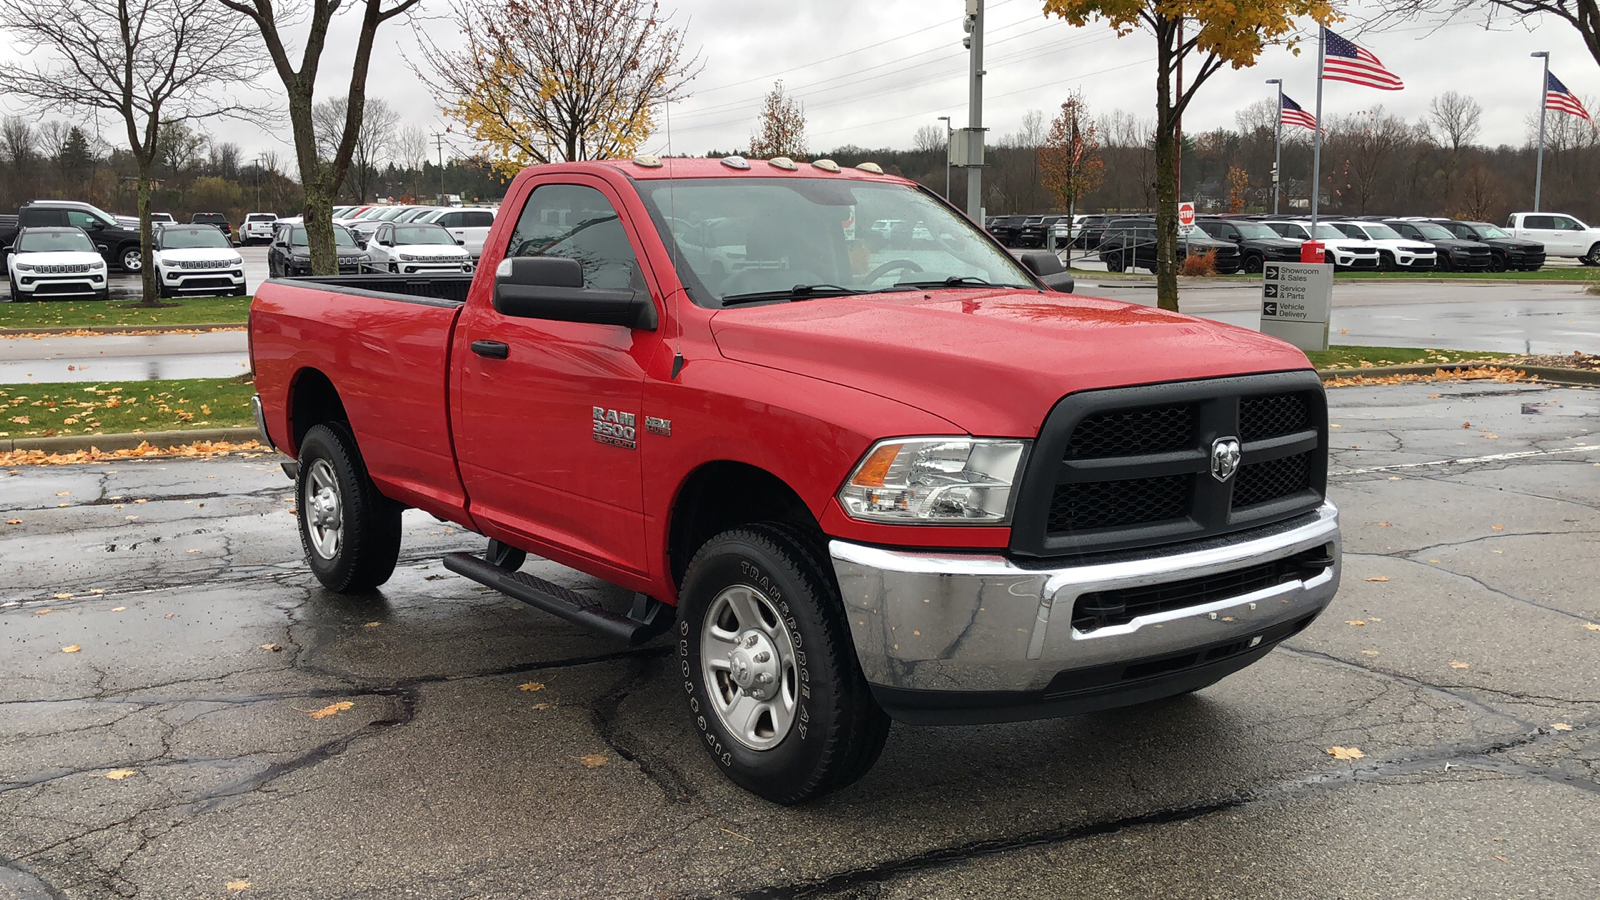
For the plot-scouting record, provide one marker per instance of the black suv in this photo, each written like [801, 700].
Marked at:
[1454, 253]
[217, 219]
[1505, 251]
[1257, 243]
[1005, 228]
[1035, 232]
[1091, 231]
[289, 255]
[1131, 243]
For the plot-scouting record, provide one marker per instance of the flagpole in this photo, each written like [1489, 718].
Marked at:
[1316, 147]
[1544, 101]
[1277, 147]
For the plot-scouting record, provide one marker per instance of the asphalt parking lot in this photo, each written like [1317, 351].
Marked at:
[187, 748]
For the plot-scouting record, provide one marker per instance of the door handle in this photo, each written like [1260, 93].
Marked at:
[491, 349]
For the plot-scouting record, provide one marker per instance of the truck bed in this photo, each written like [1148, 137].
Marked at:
[450, 288]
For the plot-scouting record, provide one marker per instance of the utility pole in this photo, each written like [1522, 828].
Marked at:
[438, 140]
[974, 161]
[947, 132]
[1544, 100]
[1277, 145]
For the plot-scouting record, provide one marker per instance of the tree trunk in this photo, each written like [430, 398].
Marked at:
[317, 209]
[150, 295]
[1166, 175]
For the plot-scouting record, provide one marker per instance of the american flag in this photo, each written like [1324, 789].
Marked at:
[1347, 62]
[1292, 114]
[1557, 97]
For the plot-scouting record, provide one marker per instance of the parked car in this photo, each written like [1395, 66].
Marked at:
[469, 225]
[257, 226]
[414, 213]
[117, 244]
[1454, 253]
[162, 219]
[1561, 235]
[966, 500]
[214, 219]
[1394, 251]
[289, 255]
[1091, 231]
[55, 261]
[414, 249]
[1131, 243]
[1035, 232]
[1257, 243]
[1515, 254]
[1343, 251]
[196, 259]
[1005, 229]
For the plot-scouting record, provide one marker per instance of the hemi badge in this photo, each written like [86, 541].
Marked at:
[658, 426]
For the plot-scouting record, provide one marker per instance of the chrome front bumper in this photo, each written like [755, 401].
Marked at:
[948, 623]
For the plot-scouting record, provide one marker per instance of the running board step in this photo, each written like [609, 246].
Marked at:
[649, 618]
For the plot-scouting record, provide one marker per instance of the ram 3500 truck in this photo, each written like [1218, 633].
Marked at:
[857, 474]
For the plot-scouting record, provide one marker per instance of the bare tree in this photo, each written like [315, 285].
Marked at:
[780, 128]
[930, 139]
[52, 136]
[548, 80]
[1582, 15]
[411, 151]
[19, 143]
[373, 140]
[1456, 117]
[151, 63]
[1366, 142]
[319, 178]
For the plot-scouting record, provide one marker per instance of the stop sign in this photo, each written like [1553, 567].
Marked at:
[1186, 214]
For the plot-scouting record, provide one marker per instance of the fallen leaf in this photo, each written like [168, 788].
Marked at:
[1394, 477]
[1434, 561]
[142, 500]
[1373, 619]
[118, 608]
[1385, 525]
[1591, 626]
[531, 686]
[332, 709]
[273, 647]
[1491, 437]
[372, 625]
[61, 596]
[1499, 528]
[239, 885]
[1379, 578]
[1433, 396]
[1355, 622]
[119, 774]
[167, 616]
[1334, 425]
[593, 760]
[1369, 652]
[1458, 664]
[1560, 726]
[1501, 858]
[41, 612]
[540, 706]
[71, 648]
[97, 591]
[1466, 424]
[1346, 753]
[13, 521]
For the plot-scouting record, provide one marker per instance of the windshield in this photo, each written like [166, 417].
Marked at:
[341, 238]
[1380, 232]
[53, 242]
[1433, 232]
[751, 236]
[192, 238]
[1489, 231]
[1327, 232]
[1254, 232]
[422, 234]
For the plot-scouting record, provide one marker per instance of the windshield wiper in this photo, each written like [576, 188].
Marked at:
[960, 281]
[799, 290]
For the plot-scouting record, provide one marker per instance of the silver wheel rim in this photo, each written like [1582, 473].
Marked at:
[747, 658]
[323, 510]
[132, 261]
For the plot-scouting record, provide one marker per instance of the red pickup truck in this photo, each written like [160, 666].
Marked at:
[856, 458]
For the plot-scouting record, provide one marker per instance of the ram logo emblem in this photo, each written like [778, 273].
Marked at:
[1225, 455]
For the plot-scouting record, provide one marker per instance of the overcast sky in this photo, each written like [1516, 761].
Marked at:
[872, 73]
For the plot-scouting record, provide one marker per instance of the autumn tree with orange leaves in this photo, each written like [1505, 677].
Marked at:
[781, 127]
[542, 81]
[1069, 160]
[1211, 35]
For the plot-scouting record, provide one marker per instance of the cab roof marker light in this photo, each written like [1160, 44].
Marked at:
[826, 165]
[647, 161]
[872, 167]
[736, 162]
[782, 162]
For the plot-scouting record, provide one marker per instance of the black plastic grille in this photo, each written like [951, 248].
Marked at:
[1269, 480]
[1272, 415]
[1121, 606]
[1127, 432]
[1135, 501]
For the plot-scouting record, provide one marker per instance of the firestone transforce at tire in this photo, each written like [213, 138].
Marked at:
[350, 532]
[771, 676]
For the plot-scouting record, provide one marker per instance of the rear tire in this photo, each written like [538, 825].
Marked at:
[1253, 264]
[769, 669]
[1498, 263]
[1593, 259]
[350, 531]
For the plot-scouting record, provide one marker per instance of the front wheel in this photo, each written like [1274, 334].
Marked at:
[1114, 263]
[1253, 264]
[1593, 259]
[350, 531]
[769, 669]
[1498, 262]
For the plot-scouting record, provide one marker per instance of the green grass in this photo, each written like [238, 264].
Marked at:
[1339, 356]
[85, 313]
[119, 407]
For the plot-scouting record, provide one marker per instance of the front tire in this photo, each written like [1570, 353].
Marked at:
[1253, 264]
[350, 531]
[1593, 259]
[1498, 262]
[769, 668]
[1114, 263]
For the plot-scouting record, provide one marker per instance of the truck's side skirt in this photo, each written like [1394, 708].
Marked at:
[648, 618]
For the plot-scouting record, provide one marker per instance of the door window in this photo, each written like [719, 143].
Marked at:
[578, 222]
[478, 219]
[450, 220]
[1546, 222]
[1566, 223]
[83, 220]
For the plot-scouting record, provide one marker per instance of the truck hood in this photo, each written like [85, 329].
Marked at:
[990, 362]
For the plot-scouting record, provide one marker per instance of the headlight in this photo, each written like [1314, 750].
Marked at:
[409, 257]
[100, 264]
[238, 260]
[935, 480]
[24, 267]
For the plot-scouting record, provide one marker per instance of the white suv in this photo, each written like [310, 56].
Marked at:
[1344, 252]
[414, 248]
[257, 227]
[196, 259]
[56, 261]
[1394, 251]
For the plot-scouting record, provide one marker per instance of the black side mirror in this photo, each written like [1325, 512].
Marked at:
[1048, 269]
[461, 242]
[551, 287]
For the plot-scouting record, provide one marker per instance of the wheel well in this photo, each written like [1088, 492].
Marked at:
[723, 495]
[312, 401]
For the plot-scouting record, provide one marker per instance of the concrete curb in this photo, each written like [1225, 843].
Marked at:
[122, 329]
[1544, 373]
[74, 443]
[1114, 280]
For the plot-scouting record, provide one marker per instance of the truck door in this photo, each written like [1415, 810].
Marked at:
[547, 435]
[1542, 228]
[1568, 233]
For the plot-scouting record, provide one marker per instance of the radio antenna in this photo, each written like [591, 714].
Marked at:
[677, 269]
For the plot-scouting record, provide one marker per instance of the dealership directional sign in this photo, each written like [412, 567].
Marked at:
[1295, 302]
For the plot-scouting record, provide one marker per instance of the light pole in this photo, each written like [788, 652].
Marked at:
[1544, 97]
[1277, 145]
[947, 132]
[974, 135]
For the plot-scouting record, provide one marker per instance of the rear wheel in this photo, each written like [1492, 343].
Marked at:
[769, 669]
[130, 259]
[1254, 264]
[350, 531]
[1497, 262]
[1593, 259]
[1114, 263]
